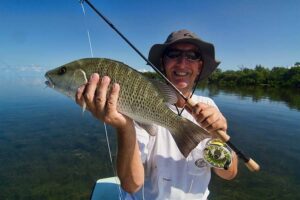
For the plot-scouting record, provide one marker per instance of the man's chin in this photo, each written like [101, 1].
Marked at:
[182, 85]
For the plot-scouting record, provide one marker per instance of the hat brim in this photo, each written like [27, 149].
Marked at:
[207, 51]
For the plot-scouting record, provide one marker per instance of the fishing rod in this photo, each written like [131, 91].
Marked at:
[250, 163]
[135, 49]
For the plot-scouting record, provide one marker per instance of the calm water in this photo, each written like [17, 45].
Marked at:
[50, 150]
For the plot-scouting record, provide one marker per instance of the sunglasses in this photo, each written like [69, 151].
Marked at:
[190, 55]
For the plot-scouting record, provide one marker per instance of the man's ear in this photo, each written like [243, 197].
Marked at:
[200, 67]
[162, 65]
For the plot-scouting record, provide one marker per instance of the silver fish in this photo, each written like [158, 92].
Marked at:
[141, 99]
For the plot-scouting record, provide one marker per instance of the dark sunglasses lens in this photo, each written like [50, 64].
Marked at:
[173, 53]
[192, 55]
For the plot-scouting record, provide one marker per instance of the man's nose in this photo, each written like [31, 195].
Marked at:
[182, 60]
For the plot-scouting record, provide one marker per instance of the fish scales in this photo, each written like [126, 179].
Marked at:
[135, 92]
[139, 98]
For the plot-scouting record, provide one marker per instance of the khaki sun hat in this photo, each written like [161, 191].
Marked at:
[206, 49]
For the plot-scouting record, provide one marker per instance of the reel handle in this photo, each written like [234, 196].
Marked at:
[250, 163]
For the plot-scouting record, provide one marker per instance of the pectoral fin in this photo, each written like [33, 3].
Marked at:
[79, 77]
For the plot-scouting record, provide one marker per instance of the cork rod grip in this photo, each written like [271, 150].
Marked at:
[252, 165]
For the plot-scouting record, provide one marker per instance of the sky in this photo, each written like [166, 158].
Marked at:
[37, 35]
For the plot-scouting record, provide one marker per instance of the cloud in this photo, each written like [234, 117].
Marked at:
[145, 70]
[22, 70]
[32, 68]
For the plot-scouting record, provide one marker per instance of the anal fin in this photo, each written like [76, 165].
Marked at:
[151, 129]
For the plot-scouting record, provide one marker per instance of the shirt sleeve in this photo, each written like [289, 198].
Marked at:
[143, 141]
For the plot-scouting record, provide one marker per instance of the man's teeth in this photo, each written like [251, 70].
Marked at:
[181, 73]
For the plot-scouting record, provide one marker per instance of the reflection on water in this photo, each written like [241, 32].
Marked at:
[291, 97]
[267, 128]
[50, 150]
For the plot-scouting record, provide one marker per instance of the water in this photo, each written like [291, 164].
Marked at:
[268, 129]
[50, 150]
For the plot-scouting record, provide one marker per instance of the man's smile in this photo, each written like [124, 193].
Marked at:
[181, 73]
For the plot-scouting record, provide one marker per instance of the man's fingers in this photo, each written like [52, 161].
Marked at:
[196, 109]
[214, 126]
[99, 100]
[215, 122]
[209, 117]
[101, 94]
[111, 106]
[210, 120]
[200, 112]
[90, 91]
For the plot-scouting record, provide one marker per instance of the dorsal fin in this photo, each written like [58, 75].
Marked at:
[167, 92]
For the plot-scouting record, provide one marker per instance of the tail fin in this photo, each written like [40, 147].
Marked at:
[188, 135]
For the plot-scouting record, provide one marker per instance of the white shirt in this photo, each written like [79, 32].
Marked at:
[168, 174]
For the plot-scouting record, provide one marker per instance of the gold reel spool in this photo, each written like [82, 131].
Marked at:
[217, 154]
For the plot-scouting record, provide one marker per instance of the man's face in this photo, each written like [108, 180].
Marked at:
[182, 63]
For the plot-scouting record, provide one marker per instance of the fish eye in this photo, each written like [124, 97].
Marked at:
[62, 70]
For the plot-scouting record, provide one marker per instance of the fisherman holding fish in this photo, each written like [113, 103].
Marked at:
[152, 162]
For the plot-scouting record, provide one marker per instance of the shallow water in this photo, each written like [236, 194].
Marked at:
[50, 150]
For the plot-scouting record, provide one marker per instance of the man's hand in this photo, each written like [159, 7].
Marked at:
[209, 117]
[101, 102]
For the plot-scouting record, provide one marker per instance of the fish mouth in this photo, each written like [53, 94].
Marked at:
[49, 82]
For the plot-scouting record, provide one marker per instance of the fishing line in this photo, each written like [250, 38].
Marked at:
[87, 30]
[104, 124]
[111, 160]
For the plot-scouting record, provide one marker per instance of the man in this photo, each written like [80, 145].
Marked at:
[152, 166]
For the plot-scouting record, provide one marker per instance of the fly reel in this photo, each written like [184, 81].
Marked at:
[217, 154]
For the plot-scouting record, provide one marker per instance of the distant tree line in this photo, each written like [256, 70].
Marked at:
[259, 76]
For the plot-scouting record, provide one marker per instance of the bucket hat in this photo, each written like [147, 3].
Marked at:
[206, 49]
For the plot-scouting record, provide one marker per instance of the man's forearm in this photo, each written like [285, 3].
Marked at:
[129, 165]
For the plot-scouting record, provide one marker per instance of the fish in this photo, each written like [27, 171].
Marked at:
[142, 99]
